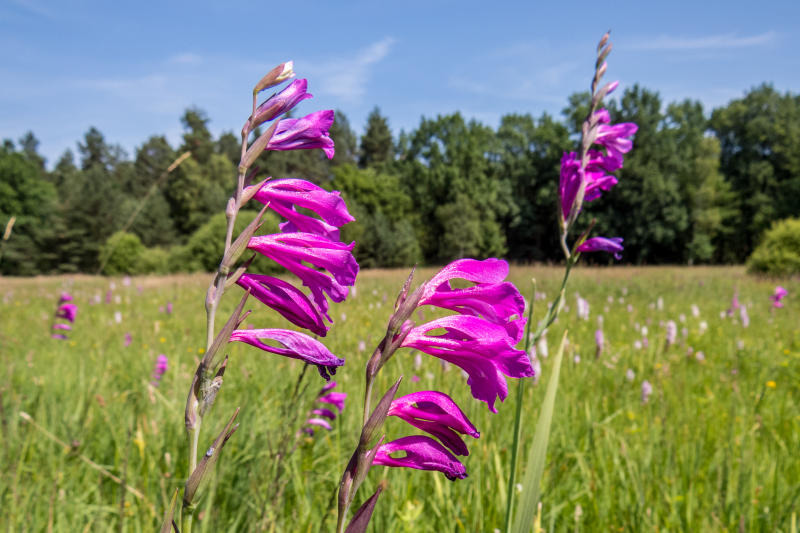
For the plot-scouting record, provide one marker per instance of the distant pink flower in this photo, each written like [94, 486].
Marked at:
[128, 339]
[67, 312]
[779, 294]
[320, 414]
[647, 390]
[159, 369]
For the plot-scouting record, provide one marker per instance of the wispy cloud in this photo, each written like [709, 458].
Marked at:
[708, 42]
[186, 58]
[346, 77]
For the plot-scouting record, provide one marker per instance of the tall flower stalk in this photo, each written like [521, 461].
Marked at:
[304, 239]
[584, 176]
[480, 339]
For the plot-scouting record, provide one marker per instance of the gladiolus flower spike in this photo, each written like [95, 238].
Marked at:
[321, 415]
[481, 339]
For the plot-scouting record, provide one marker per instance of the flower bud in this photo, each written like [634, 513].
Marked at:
[277, 75]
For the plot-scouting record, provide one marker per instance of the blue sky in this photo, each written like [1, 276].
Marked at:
[131, 68]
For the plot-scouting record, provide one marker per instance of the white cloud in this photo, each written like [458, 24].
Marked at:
[708, 42]
[346, 77]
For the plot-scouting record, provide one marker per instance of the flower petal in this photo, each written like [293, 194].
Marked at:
[296, 345]
[286, 299]
[422, 453]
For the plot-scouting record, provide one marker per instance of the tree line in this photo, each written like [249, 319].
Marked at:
[697, 188]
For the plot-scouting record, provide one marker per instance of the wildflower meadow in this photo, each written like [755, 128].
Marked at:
[293, 389]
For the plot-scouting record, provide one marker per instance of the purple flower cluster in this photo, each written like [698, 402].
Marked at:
[64, 317]
[159, 369]
[320, 416]
[480, 340]
[307, 246]
[779, 294]
[586, 179]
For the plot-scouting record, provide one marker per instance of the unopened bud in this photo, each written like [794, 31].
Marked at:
[230, 209]
[257, 147]
[601, 57]
[378, 415]
[603, 41]
[250, 191]
[602, 70]
[279, 74]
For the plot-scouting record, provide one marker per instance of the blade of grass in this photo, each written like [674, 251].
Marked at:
[534, 466]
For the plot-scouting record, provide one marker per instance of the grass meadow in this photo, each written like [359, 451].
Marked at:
[89, 445]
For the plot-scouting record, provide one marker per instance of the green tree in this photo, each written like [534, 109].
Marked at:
[759, 136]
[446, 162]
[25, 194]
[529, 156]
[376, 144]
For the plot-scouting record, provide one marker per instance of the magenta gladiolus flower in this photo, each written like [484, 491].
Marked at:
[159, 369]
[295, 345]
[286, 299]
[422, 453]
[321, 422]
[282, 194]
[603, 244]
[779, 294]
[65, 327]
[280, 103]
[308, 132]
[482, 349]
[435, 413]
[290, 250]
[326, 413]
[67, 312]
[491, 298]
[59, 336]
[335, 399]
[64, 298]
[128, 339]
[614, 138]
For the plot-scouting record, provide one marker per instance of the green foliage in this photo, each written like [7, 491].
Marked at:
[25, 193]
[759, 136]
[778, 254]
[203, 251]
[376, 144]
[121, 254]
[382, 230]
[445, 163]
[153, 261]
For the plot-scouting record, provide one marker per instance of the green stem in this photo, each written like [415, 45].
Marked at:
[517, 418]
[552, 314]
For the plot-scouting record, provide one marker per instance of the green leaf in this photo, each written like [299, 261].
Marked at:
[534, 467]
